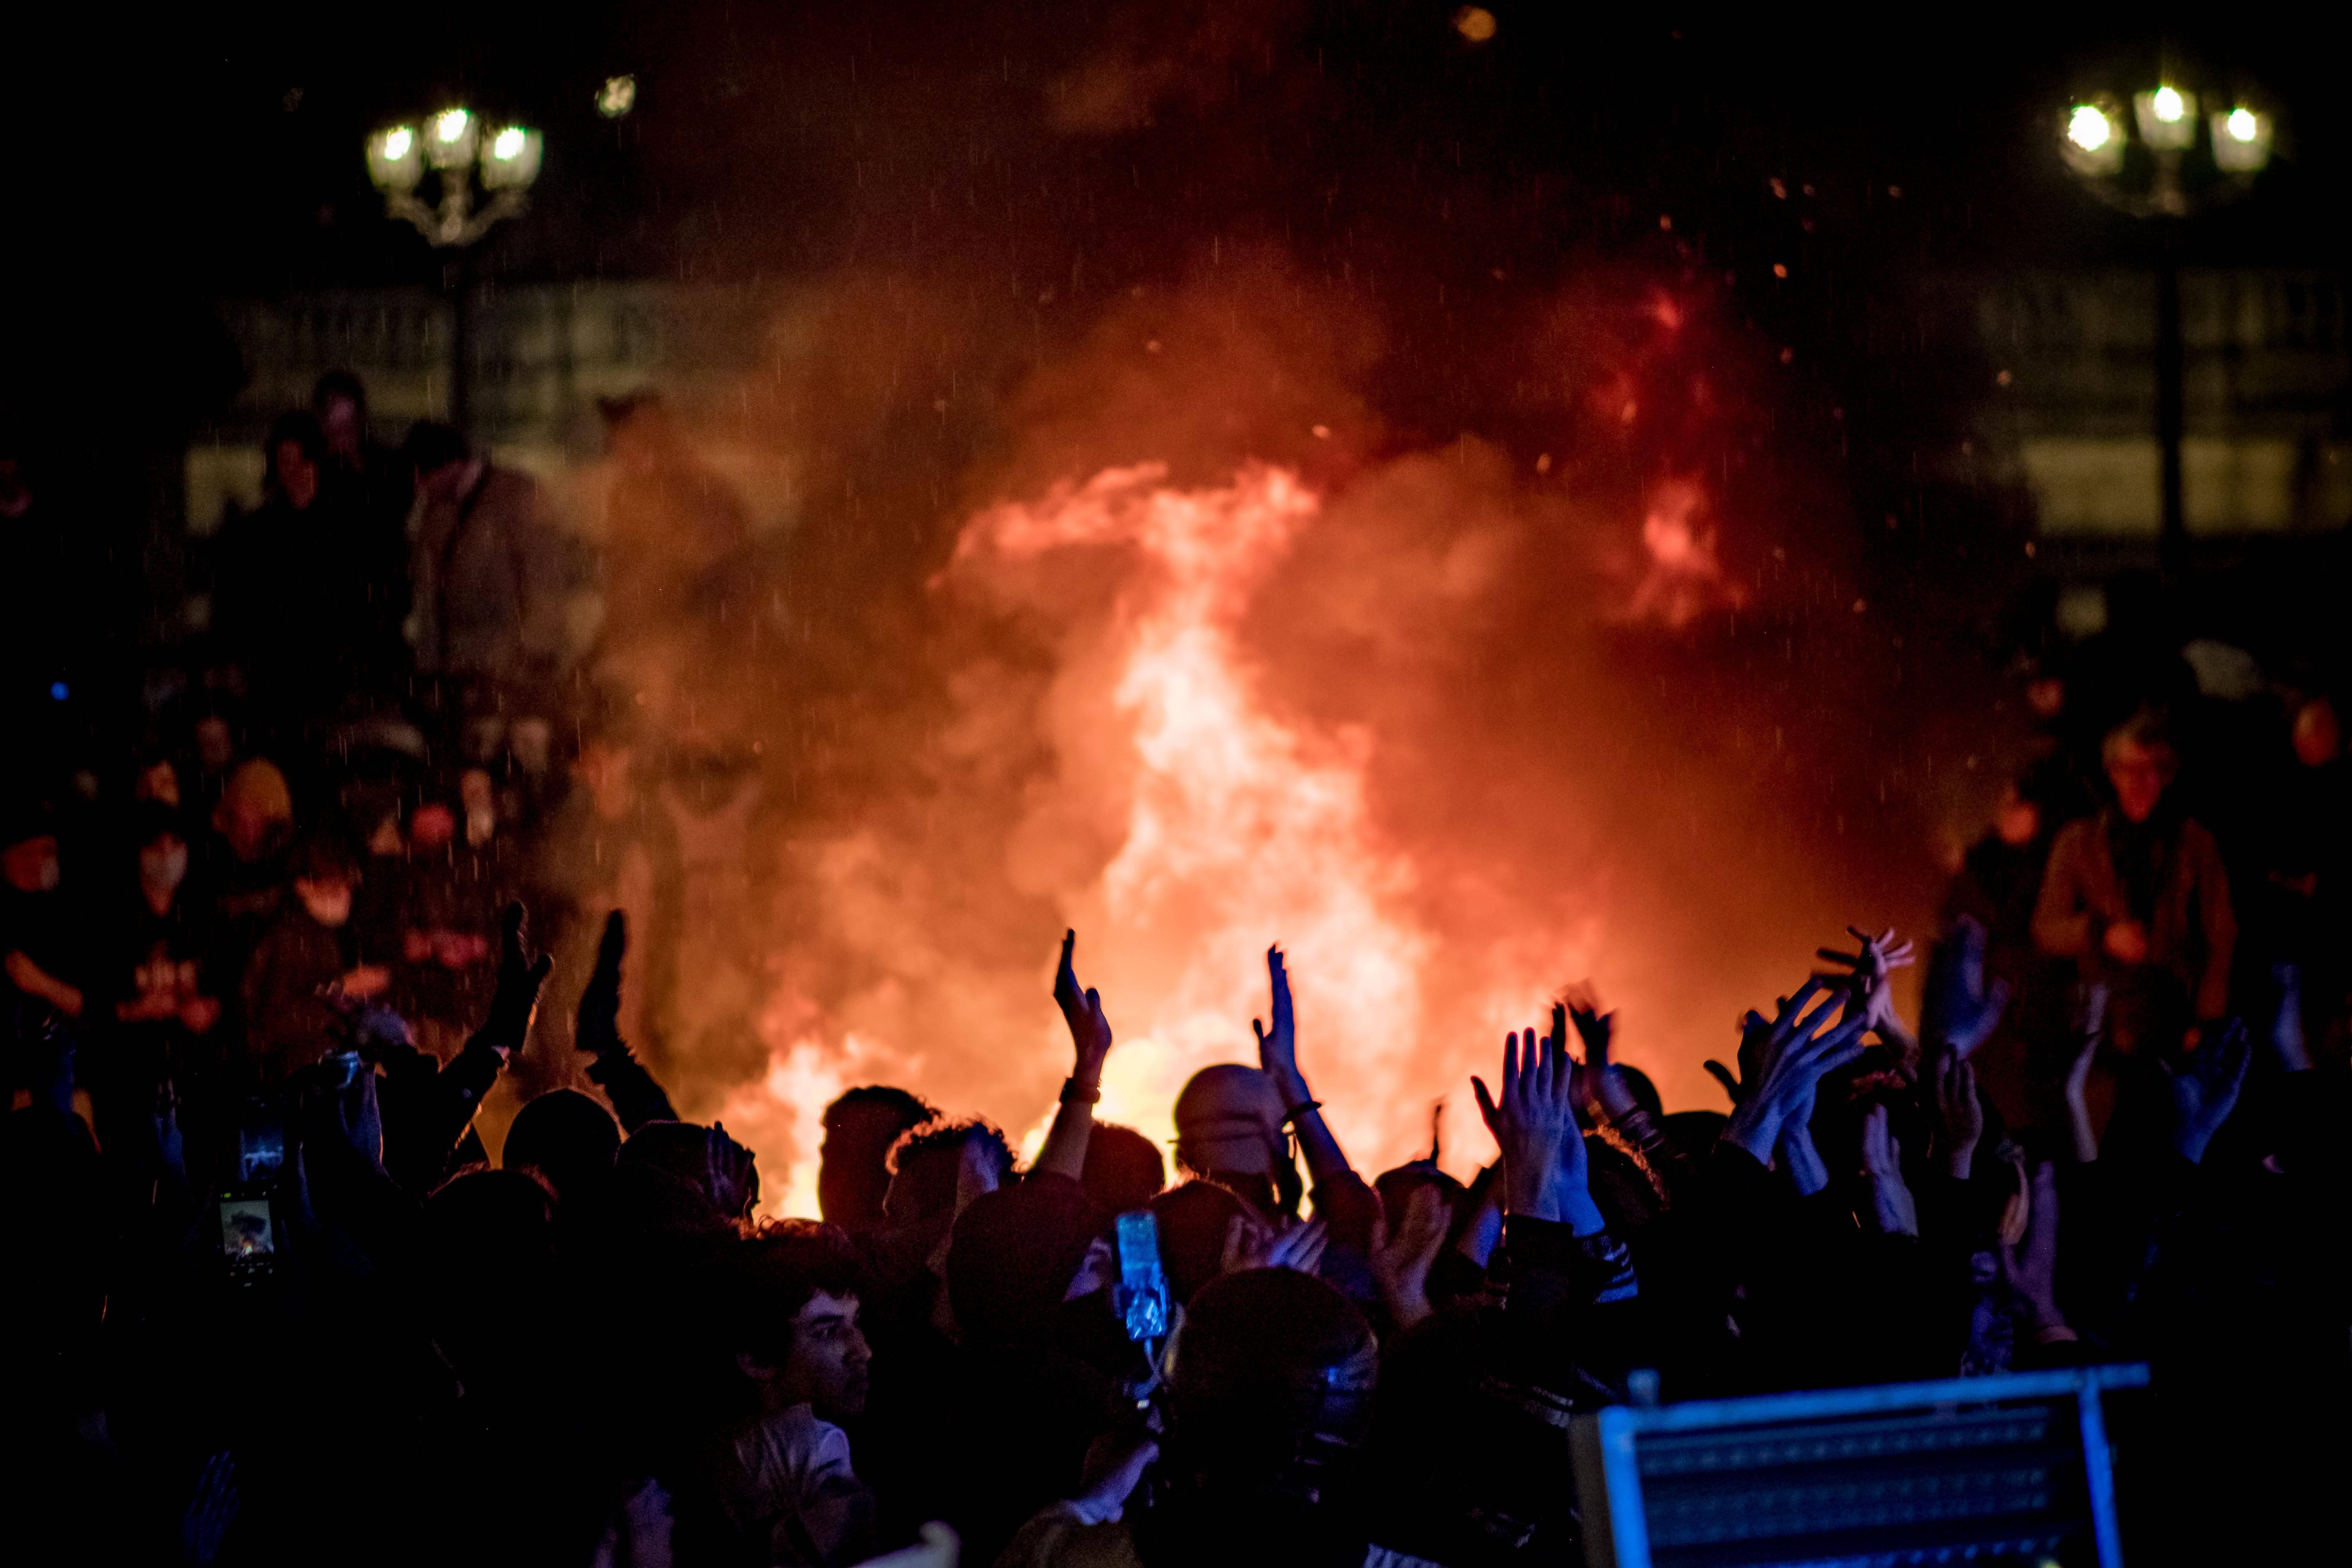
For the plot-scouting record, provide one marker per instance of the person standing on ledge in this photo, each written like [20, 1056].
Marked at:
[486, 575]
[2137, 897]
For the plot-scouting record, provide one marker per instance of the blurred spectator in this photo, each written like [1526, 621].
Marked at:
[299, 604]
[39, 932]
[308, 955]
[374, 487]
[487, 574]
[2137, 897]
[244, 865]
[451, 893]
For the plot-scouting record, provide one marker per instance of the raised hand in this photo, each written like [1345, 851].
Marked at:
[2030, 1265]
[1961, 1008]
[1277, 1054]
[2205, 1091]
[516, 1001]
[1791, 1055]
[1959, 1115]
[2287, 1041]
[1868, 968]
[1603, 1090]
[1090, 1033]
[597, 1027]
[212, 1508]
[1534, 1123]
[2089, 1023]
[1064, 1149]
[359, 1116]
[1892, 1208]
[1753, 1032]
[1402, 1257]
[1278, 1048]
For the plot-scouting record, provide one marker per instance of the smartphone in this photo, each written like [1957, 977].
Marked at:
[249, 1231]
[260, 1150]
[1140, 1297]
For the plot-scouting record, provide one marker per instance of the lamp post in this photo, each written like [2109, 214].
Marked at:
[454, 147]
[2163, 160]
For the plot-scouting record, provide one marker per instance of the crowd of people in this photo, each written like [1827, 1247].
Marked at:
[273, 1299]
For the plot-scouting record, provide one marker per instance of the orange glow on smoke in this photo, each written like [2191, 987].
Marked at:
[1182, 816]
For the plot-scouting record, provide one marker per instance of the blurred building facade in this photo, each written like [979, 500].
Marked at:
[2266, 452]
[538, 359]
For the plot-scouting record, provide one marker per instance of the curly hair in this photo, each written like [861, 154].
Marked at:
[925, 1159]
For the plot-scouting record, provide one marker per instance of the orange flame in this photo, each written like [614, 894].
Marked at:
[1240, 829]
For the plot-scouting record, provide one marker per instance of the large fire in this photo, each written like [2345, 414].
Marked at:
[1231, 828]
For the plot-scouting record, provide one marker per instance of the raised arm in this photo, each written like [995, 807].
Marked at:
[1065, 1150]
[637, 1097]
[1277, 1053]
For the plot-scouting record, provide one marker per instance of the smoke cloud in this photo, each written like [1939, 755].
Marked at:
[1169, 635]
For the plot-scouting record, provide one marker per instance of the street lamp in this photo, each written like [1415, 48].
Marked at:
[453, 145]
[2174, 151]
[456, 148]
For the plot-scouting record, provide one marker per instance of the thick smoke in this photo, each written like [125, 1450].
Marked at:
[1167, 635]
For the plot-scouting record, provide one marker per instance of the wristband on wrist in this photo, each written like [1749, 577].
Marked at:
[1076, 1093]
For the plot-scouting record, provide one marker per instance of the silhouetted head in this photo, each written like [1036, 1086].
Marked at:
[1229, 1125]
[565, 1136]
[1014, 1254]
[853, 1171]
[925, 1161]
[703, 1158]
[1124, 1170]
[1193, 1220]
[1270, 1383]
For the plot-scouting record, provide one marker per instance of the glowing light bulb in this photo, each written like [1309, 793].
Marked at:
[2088, 128]
[2168, 104]
[450, 125]
[508, 144]
[400, 139]
[2241, 125]
[616, 97]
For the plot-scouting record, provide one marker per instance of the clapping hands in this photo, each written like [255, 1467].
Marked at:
[516, 1001]
[597, 1024]
[1533, 1120]
[1787, 1059]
